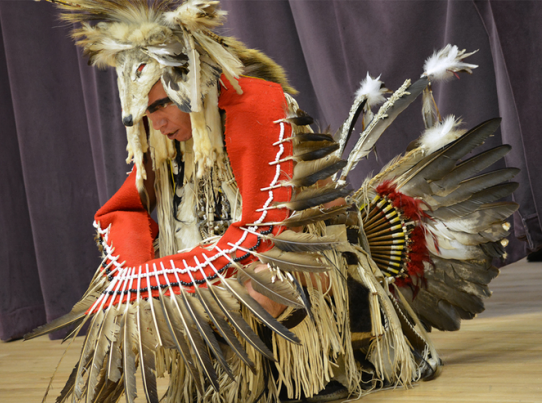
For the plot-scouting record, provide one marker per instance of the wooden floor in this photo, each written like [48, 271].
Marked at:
[496, 357]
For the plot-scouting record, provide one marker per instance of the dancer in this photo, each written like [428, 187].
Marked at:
[266, 277]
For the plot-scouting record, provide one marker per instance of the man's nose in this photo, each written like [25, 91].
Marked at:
[128, 120]
[158, 123]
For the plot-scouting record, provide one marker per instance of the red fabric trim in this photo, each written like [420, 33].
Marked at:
[249, 136]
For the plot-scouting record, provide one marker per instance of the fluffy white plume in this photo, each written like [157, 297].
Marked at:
[441, 134]
[443, 64]
[373, 89]
[197, 14]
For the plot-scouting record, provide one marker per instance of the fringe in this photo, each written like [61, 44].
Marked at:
[325, 352]
[164, 207]
[137, 146]
[389, 352]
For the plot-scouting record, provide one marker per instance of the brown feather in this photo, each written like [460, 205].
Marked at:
[268, 283]
[129, 351]
[197, 312]
[199, 349]
[291, 241]
[87, 351]
[171, 316]
[293, 261]
[307, 173]
[214, 312]
[312, 197]
[106, 335]
[313, 215]
[240, 292]
[147, 346]
[223, 300]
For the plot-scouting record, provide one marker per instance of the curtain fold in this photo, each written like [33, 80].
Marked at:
[64, 145]
[518, 84]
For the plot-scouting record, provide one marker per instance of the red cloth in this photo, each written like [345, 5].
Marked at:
[249, 136]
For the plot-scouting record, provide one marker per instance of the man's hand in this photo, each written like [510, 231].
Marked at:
[274, 308]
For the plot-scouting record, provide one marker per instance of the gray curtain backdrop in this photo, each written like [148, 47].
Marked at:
[63, 144]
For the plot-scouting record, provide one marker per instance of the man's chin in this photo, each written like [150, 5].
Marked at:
[173, 136]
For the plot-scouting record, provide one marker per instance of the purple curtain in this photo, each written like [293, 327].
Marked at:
[64, 145]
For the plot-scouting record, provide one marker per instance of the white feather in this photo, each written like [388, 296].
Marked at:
[443, 64]
[441, 134]
[166, 53]
[373, 89]
[452, 249]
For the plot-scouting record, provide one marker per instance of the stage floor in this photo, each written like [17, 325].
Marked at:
[497, 357]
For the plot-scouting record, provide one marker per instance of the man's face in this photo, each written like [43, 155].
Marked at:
[166, 117]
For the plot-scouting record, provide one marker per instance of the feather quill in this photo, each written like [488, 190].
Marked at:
[303, 137]
[147, 346]
[307, 173]
[268, 283]
[199, 350]
[474, 272]
[197, 313]
[306, 301]
[485, 216]
[346, 129]
[494, 232]
[312, 215]
[488, 195]
[213, 310]
[430, 112]
[480, 290]
[173, 322]
[291, 241]
[87, 351]
[315, 196]
[129, 351]
[161, 324]
[469, 302]
[313, 150]
[396, 104]
[105, 337]
[240, 292]
[67, 390]
[114, 364]
[75, 316]
[223, 300]
[474, 185]
[436, 165]
[467, 169]
[432, 310]
[299, 118]
[293, 261]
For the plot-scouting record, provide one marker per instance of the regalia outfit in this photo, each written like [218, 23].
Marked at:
[363, 280]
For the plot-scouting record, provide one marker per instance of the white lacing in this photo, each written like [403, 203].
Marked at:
[129, 274]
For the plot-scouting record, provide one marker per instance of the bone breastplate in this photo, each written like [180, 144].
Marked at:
[204, 207]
